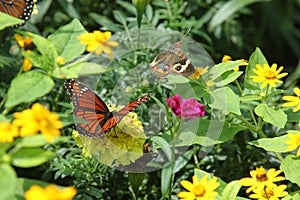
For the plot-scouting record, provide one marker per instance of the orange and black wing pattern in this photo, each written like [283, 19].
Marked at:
[17, 8]
[95, 117]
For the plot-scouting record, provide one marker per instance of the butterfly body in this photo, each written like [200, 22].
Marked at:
[172, 61]
[89, 107]
[17, 8]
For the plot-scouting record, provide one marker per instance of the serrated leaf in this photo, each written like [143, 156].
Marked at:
[276, 117]
[225, 99]
[276, 144]
[28, 87]
[66, 41]
[31, 157]
[257, 57]
[291, 168]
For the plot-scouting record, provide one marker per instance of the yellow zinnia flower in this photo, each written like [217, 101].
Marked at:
[199, 71]
[8, 132]
[202, 189]
[38, 119]
[97, 42]
[294, 142]
[268, 75]
[260, 178]
[50, 192]
[121, 146]
[293, 100]
[270, 193]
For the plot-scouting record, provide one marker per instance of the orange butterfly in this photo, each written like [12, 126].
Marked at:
[90, 108]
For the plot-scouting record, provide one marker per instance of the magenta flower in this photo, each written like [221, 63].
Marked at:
[189, 108]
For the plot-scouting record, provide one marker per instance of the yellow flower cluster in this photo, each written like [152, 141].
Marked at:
[50, 192]
[38, 119]
[262, 184]
[121, 146]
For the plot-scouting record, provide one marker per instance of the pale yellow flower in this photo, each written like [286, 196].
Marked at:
[199, 190]
[8, 132]
[50, 192]
[268, 75]
[261, 178]
[293, 100]
[98, 42]
[121, 146]
[294, 142]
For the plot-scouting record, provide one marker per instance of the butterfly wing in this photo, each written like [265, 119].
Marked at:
[91, 112]
[90, 109]
[172, 60]
[17, 8]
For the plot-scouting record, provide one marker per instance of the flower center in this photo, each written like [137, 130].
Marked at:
[261, 177]
[270, 75]
[199, 190]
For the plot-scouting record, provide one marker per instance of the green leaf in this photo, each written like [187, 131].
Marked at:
[276, 144]
[136, 181]
[39, 61]
[120, 17]
[8, 182]
[66, 41]
[293, 116]
[28, 87]
[31, 157]
[219, 69]
[225, 99]
[228, 77]
[177, 79]
[257, 57]
[291, 168]
[227, 10]
[164, 145]
[7, 21]
[183, 160]
[231, 190]
[166, 180]
[78, 69]
[47, 51]
[276, 117]
[250, 97]
[3, 118]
